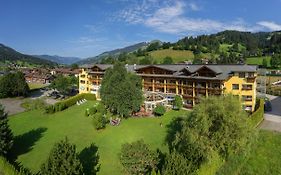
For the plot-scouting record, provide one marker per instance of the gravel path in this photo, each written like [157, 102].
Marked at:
[12, 105]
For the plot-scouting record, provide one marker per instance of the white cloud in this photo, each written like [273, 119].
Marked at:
[194, 6]
[172, 20]
[172, 17]
[88, 40]
[270, 25]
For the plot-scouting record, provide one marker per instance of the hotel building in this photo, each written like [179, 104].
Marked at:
[191, 82]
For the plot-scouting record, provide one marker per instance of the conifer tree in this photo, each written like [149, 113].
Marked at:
[6, 135]
[62, 160]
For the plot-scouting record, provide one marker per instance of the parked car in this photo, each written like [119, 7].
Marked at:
[267, 106]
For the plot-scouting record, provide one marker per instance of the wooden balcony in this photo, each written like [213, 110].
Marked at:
[185, 96]
[159, 84]
[247, 99]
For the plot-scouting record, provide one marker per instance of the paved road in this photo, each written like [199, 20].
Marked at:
[272, 119]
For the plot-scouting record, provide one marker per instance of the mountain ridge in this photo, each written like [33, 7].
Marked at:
[59, 59]
[9, 54]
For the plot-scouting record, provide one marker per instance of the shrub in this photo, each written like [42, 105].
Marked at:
[101, 108]
[92, 110]
[99, 121]
[159, 110]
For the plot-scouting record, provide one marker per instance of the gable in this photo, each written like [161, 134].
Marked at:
[153, 70]
[95, 68]
[206, 72]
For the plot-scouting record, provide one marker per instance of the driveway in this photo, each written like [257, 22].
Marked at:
[272, 119]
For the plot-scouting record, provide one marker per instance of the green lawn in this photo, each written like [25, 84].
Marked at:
[37, 132]
[33, 86]
[263, 158]
[176, 55]
[258, 60]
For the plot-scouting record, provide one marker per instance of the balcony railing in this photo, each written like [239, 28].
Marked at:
[187, 95]
[247, 99]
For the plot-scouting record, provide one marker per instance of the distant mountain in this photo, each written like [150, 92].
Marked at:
[113, 53]
[59, 59]
[11, 55]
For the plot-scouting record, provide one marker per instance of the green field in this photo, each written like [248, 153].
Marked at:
[263, 157]
[37, 132]
[33, 86]
[258, 60]
[176, 55]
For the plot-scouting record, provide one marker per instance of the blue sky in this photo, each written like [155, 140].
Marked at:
[86, 28]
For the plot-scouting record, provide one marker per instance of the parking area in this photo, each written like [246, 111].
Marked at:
[272, 119]
[12, 105]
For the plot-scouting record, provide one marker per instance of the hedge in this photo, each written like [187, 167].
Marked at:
[6, 168]
[62, 105]
[257, 117]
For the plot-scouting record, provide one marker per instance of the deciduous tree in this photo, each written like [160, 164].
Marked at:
[121, 91]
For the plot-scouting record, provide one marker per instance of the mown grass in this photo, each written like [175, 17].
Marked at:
[37, 132]
[176, 55]
[33, 86]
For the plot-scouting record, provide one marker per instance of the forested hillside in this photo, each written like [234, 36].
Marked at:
[227, 47]
[9, 55]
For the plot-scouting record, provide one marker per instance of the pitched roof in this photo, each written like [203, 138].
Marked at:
[222, 71]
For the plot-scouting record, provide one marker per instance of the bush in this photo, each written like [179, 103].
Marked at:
[62, 105]
[101, 108]
[99, 121]
[159, 110]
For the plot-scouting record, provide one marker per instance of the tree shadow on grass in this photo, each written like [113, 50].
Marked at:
[89, 159]
[25, 142]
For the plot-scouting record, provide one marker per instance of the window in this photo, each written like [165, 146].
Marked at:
[242, 75]
[247, 87]
[235, 86]
[82, 81]
[82, 76]
[250, 74]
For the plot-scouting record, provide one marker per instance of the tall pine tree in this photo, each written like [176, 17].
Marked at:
[6, 135]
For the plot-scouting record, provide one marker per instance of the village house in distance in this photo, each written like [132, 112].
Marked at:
[162, 82]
